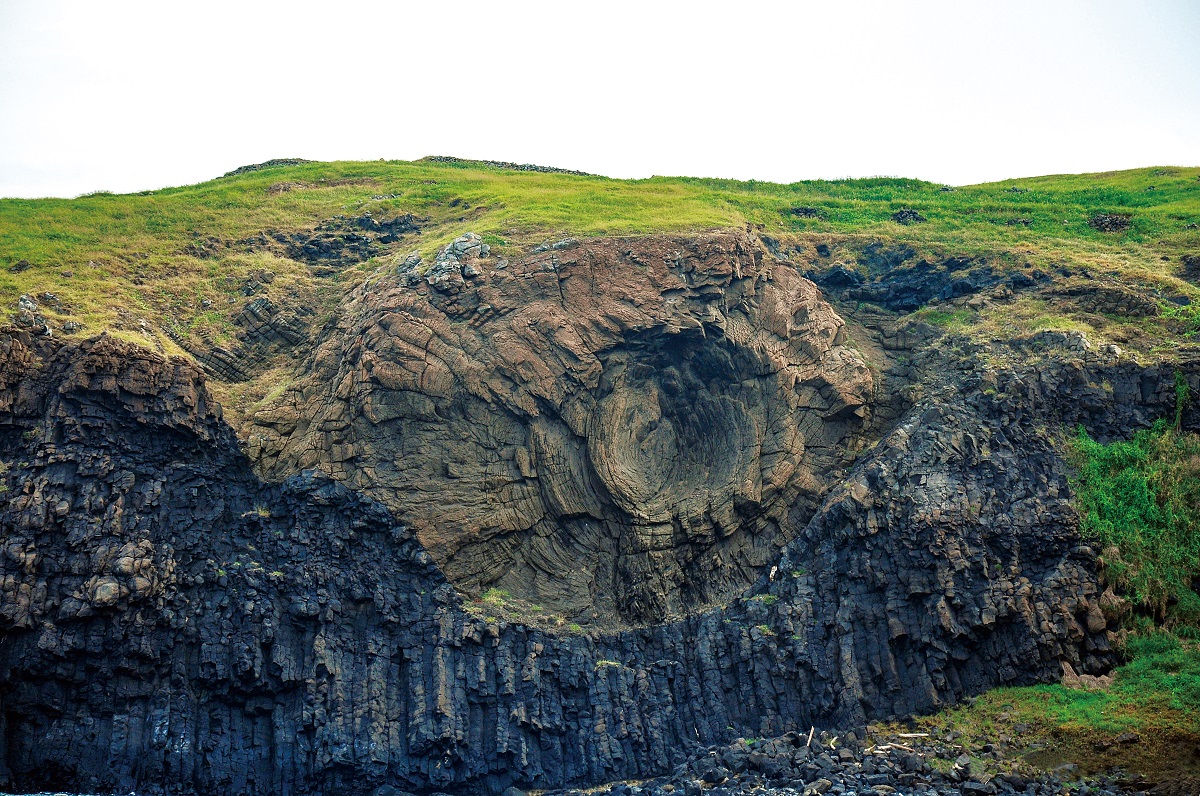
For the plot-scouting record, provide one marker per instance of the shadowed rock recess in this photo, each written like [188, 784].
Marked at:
[654, 436]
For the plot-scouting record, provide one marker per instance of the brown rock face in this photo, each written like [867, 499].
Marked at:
[166, 616]
[627, 428]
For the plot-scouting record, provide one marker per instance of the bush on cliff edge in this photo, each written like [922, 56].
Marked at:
[1140, 500]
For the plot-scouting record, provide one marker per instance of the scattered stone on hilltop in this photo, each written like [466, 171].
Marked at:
[267, 164]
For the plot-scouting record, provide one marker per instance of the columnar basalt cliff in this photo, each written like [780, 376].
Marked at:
[622, 429]
[174, 619]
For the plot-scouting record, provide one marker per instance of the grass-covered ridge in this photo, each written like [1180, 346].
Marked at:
[113, 260]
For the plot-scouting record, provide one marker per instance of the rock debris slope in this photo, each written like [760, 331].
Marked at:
[171, 620]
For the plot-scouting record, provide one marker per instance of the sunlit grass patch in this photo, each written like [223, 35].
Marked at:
[109, 256]
[1140, 501]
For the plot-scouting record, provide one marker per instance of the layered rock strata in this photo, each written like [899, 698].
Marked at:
[619, 430]
[169, 621]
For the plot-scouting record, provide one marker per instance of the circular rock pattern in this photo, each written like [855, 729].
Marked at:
[616, 428]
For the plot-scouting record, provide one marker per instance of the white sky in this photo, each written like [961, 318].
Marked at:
[127, 96]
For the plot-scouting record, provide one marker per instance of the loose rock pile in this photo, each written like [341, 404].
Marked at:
[504, 164]
[859, 763]
[907, 216]
[806, 212]
[1109, 222]
[266, 164]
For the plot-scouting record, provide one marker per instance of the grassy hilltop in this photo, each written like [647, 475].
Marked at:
[176, 259]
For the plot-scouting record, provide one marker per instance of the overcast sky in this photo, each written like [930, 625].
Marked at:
[128, 96]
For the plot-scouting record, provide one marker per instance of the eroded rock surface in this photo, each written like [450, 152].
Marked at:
[616, 429]
[170, 621]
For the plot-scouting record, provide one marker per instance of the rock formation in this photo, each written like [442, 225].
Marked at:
[619, 429]
[674, 419]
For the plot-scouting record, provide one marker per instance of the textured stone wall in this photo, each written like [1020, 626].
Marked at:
[170, 621]
[623, 430]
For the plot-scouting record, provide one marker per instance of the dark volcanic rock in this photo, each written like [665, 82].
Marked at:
[805, 212]
[907, 216]
[266, 164]
[332, 244]
[893, 277]
[1191, 267]
[796, 764]
[1110, 222]
[168, 620]
[504, 164]
[346, 241]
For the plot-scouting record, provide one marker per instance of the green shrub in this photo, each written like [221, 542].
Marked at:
[1140, 500]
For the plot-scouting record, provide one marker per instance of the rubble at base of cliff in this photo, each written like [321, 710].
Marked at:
[858, 762]
[865, 763]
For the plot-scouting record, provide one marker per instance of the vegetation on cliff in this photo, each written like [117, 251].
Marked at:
[1146, 721]
[1140, 500]
[180, 259]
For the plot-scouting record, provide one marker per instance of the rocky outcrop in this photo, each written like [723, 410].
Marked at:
[674, 441]
[170, 621]
[504, 164]
[266, 165]
[333, 243]
[264, 331]
[895, 277]
[620, 430]
[344, 241]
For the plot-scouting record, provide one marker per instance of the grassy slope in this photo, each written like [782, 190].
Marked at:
[126, 253]
[1155, 696]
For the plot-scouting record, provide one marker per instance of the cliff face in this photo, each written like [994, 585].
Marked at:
[619, 430]
[170, 619]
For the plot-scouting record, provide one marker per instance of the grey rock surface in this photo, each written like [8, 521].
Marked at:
[169, 619]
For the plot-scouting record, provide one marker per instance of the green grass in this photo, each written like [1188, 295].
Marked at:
[499, 605]
[1188, 318]
[1155, 695]
[126, 255]
[1140, 501]
[1156, 690]
[956, 319]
